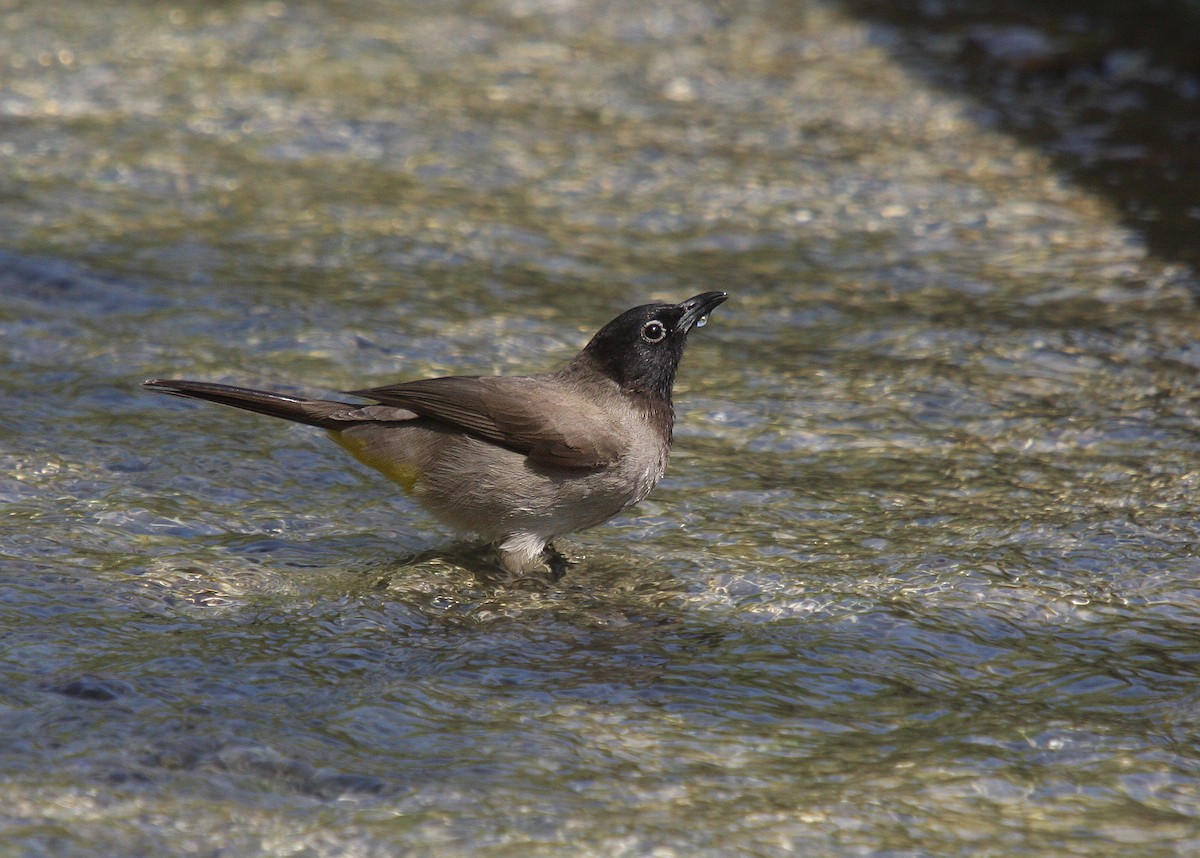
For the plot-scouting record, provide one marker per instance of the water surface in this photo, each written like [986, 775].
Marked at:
[921, 579]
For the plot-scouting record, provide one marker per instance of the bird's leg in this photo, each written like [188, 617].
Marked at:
[555, 561]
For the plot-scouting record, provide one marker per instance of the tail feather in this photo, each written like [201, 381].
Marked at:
[325, 413]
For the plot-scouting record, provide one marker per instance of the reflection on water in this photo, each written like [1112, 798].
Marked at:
[921, 577]
[1108, 91]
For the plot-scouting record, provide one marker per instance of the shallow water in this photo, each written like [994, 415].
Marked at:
[922, 577]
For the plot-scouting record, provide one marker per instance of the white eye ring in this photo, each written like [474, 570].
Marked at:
[654, 332]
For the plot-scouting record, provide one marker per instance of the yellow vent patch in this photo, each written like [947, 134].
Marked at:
[399, 472]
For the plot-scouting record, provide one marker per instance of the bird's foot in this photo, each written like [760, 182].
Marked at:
[546, 566]
[556, 562]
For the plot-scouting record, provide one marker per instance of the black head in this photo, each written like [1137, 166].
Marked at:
[641, 348]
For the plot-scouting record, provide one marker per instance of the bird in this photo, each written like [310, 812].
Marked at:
[516, 460]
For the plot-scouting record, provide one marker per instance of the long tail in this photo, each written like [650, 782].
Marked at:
[325, 413]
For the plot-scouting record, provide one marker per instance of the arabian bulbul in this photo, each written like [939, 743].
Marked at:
[517, 460]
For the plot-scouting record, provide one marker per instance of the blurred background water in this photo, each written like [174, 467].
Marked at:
[922, 578]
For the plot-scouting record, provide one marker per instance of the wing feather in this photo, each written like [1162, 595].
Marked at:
[547, 419]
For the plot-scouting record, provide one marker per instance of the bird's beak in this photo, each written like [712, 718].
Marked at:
[696, 310]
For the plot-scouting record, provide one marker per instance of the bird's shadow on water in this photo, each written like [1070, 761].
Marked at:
[462, 582]
[597, 587]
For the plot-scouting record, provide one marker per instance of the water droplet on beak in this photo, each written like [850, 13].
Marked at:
[702, 321]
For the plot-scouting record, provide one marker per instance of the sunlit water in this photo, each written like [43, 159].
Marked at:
[921, 580]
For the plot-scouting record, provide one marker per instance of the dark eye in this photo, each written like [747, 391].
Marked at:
[654, 332]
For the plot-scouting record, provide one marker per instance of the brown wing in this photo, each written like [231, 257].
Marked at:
[546, 419]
